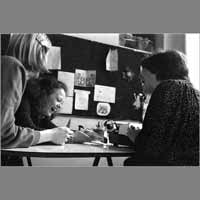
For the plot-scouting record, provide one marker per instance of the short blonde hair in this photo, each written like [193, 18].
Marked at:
[30, 49]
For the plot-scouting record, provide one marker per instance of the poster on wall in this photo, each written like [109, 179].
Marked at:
[91, 78]
[103, 109]
[104, 93]
[81, 99]
[67, 106]
[85, 78]
[54, 58]
[112, 60]
[68, 79]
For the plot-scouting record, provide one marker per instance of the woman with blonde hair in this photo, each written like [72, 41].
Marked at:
[26, 57]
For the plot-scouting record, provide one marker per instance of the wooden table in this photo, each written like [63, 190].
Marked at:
[71, 151]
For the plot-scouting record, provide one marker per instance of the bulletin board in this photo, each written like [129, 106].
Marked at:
[84, 63]
[89, 58]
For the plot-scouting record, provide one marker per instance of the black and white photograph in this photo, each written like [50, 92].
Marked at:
[148, 85]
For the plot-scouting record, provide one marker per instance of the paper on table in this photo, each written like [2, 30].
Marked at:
[104, 93]
[54, 58]
[67, 106]
[112, 60]
[68, 79]
[81, 99]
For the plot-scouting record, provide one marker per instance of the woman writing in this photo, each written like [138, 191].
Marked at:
[42, 99]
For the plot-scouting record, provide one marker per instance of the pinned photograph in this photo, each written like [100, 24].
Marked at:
[80, 77]
[103, 109]
[85, 78]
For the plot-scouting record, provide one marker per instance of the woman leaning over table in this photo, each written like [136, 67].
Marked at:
[25, 58]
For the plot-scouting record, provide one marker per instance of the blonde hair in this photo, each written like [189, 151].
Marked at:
[30, 49]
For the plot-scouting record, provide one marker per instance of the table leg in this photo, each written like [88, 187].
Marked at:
[29, 161]
[96, 161]
[109, 160]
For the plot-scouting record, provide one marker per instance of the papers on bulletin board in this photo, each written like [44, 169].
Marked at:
[104, 93]
[67, 106]
[91, 78]
[68, 79]
[112, 60]
[80, 77]
[54, 58]
[85, 78]
[81, 99]
[103, 109]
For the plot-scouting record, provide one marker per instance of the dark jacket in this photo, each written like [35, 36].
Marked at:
[13, 83]
[170, 133]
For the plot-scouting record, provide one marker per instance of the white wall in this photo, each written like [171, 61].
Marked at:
[188, 44]
[107, 38]
[193, 53]
[174, 41]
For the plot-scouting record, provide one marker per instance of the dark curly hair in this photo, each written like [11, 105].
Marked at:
[166, 65]
[40, 88]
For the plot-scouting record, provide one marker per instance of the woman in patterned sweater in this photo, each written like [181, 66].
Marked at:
[170, 133]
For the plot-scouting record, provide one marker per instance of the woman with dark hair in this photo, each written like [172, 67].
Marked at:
[170, 132]
[42, 98]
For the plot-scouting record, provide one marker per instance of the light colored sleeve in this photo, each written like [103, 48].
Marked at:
[12, 85]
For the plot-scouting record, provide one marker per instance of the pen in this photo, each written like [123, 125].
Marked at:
[68, 123]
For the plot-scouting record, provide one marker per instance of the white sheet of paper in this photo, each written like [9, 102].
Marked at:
[81, 99]
[112, 60]
[104, 93]
[54, 58]
[67, 106]
[68, 79]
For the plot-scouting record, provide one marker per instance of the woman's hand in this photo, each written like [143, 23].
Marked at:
[56, 135]
[80, 137]
[133, 131]
[60, 135]
[94, 135]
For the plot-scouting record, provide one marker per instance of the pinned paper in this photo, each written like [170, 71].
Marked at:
[80, 77]
[112, 60]
[85, 78]
[67, 106]
[91, 78]
[104, 93]
[54, 58]
[68, 79]
[103, 109]
[81, 99]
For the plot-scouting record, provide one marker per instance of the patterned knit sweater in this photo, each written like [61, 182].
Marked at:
[170, 131]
